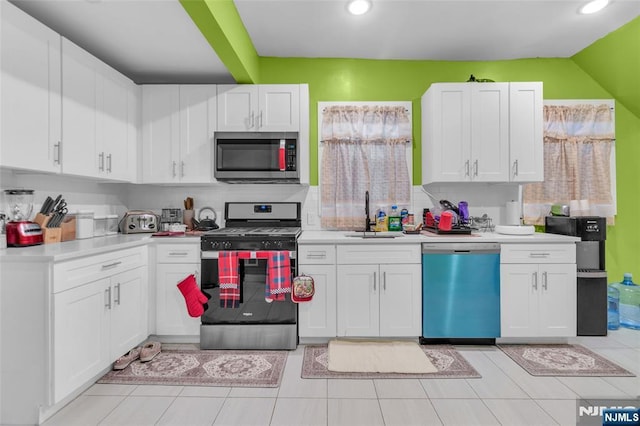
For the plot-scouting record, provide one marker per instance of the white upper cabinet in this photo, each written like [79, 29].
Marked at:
[480, 132]
[263, 107]
[31, 93]
[177, 134]
[97, 106]
[525, 132]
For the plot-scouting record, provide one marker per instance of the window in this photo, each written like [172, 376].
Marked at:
[364, 147]
[579, 161]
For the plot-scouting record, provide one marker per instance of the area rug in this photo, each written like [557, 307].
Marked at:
[449, 363]
[562, 360]
[362, 356]
[205, 368]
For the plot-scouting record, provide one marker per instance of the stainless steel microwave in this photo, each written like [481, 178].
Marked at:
[256, 157]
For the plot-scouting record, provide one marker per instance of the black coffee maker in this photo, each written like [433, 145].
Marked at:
[592, 275]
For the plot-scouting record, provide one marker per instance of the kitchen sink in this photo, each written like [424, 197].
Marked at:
[363, 234]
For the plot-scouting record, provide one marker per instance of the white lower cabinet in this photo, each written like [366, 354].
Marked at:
[97, 320]
[538, 291]
[175, 263]
[318, 317]
[379, 290]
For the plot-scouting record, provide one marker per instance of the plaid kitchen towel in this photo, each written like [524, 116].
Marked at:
[228, 279]
[278, 275]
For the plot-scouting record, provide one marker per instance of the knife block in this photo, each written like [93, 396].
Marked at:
[51, 235]
[68, 228]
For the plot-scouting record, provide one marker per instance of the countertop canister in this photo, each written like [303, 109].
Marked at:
[84, 224]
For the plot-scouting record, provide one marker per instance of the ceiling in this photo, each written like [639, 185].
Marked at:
[155, 41]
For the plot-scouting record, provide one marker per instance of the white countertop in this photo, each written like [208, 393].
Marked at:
[86, 247]
[339, 237]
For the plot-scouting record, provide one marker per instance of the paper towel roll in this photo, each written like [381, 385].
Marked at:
[513, 213]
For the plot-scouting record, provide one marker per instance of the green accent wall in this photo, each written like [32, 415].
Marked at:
[220, 23]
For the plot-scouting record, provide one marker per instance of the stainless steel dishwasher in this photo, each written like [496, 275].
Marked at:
[460, 291]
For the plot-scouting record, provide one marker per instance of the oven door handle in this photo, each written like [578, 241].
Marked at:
[215, 254]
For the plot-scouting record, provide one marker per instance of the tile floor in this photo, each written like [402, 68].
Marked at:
[505, 395]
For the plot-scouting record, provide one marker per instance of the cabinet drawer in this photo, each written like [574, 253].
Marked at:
[374, 254]
[70, 274]
[317, 255]
[538, 253]
[178, 253]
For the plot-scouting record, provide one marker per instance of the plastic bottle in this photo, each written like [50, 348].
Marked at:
[404, 216]
[629, 302]
[613, 313]
[381, 220]
[395, 222]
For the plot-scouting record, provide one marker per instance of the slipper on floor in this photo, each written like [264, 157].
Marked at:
[149, 351]
[126, 359]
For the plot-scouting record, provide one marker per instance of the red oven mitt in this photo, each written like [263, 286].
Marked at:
[193, 296]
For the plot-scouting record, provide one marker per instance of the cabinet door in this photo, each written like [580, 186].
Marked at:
[525, 132]
[31, 93]
[197, 124]
[447, 134]
[557, 300]
[128, 311]
[317, 318]
[489, 132]
[113, 139]
[79, 112]
[279, 107]
[237, 107]
[358, 300]
[80, 335]
[401, 300]
[160, 133]
[519, 284]
[172, 317]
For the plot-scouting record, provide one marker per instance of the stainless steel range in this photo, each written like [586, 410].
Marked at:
[252, 230]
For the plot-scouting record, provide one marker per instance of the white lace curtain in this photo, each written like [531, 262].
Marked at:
[364, 149]
[577, 148]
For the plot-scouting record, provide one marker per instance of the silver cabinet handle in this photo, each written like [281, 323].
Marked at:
[475, 168]
[374, 281]
[109, 163]
[111, 265]
[260, 120]
[544, 281]
[174, 169]
[116, 299]
[466, 168]
[56, 153]
[515, 168]
[539, 254]
[316, 256]
[182, 169]
[107, 293]
[101, 159]
[384, 280]
[178, 253]
[252, 120]
[535, 281]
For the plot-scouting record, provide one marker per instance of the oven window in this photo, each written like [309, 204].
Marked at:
[248, 155]
[253, 307]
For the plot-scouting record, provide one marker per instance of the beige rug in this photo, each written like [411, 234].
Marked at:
[448, 361]
[361, 356]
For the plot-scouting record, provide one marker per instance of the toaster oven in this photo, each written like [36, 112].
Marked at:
[137, 221]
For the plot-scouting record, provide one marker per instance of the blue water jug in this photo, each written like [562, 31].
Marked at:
[613, 313]
[629, 303]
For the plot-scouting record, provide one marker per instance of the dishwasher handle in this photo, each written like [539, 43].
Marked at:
[460, 248]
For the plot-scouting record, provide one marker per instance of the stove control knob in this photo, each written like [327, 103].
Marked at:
[226, 245]
[266, 244]
[214, 244]
[278, 244]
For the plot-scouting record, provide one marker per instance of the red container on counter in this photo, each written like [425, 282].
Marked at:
[446, 220]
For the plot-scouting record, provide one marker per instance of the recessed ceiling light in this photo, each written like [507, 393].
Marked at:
[594, 6]
[359, 7]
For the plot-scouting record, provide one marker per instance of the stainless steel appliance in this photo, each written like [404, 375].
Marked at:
[460, 292]
[590, 262]
[139, 221]
[253, 229]
[20, 230]
[245, 157]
